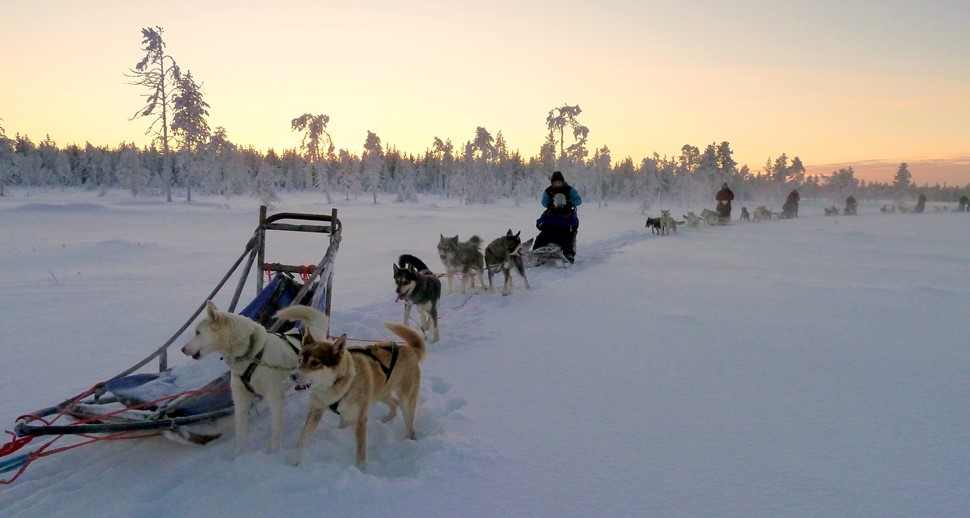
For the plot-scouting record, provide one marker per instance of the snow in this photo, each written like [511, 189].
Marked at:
[809, 367]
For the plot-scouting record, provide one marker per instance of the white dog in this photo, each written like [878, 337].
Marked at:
[260, 364]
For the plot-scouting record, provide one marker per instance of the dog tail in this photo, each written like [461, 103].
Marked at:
[475, 241]
[313, 318]
[410, 336]
[407, 259]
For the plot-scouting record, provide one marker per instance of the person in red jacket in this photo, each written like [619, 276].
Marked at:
[790, 208]
[723, 198]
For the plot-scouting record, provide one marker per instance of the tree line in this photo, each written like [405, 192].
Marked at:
[187, 156]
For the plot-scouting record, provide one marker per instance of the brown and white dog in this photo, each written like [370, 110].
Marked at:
[348, 380]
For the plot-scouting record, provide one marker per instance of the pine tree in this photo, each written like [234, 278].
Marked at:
[557, 121]
[189, 126]
[161, 80]
[902, 180]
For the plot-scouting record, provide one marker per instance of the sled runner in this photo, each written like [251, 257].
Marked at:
[547, 254]
[183, 402]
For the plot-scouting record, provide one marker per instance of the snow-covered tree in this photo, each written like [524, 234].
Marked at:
[557, 121]
[264, 185]
[479, 154]
[593, 184]
[796, 173]
[314, 128]
[780, 169]
[162, 80]
[190, 127]
[6, 159]
[444, 152]
[131, 173]
[841, 183]
[373, 164]
[347, 174]
[902, 180]
[726, 165]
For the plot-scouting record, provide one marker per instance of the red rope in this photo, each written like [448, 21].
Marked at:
[17, 443]
[305, 273]
[269, 270]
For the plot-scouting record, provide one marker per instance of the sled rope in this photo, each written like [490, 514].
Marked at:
[270, 267]
[25, 460]
[306, 271]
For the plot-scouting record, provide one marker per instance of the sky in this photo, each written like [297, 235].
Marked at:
[807, 367]
[834, 83]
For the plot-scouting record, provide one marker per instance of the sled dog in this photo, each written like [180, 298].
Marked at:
[504, 253]
[693, 220]
[417, 285]
[654, 225]
[711, 217]
[260, 363]
[762, 213]
[348, 380]
[464, 258]
[745, 215]
[668, 225]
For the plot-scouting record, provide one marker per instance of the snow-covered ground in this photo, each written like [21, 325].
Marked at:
[810, 367]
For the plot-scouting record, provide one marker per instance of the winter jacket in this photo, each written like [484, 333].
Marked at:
[573, 199]
[724, 197]
[558, 220]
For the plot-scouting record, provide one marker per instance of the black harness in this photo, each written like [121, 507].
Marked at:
[387, 369]
[256, 360]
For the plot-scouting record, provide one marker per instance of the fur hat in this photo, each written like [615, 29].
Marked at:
[557, 175]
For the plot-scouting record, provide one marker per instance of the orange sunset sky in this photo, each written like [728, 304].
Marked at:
[865, 84]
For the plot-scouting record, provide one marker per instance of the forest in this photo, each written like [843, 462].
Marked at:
[186, 156]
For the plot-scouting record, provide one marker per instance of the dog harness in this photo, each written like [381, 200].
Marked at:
[256, 360]
[387, 369]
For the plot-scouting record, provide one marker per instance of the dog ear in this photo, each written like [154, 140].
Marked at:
[517, 233]
[307, 338]
[212, 312]
[340, 343]
[509, 233]
[396, 268]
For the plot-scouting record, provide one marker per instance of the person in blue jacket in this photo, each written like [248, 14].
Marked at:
[559, 223]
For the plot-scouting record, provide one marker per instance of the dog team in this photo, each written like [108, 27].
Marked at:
[349, 379]
[342, 378]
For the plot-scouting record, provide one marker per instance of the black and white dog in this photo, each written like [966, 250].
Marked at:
[417, 285]
[503, 254]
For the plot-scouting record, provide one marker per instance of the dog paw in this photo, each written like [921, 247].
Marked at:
[293, 459]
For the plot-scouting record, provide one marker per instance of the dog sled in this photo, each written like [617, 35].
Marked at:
[556, 242]
[186, 403]
[546, 254]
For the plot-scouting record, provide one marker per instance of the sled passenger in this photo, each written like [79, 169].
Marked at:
[964, 204]
[558, 184]
[790, 208]
[559, 223]
[850, 206]
[920, 203]
[723, 198]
